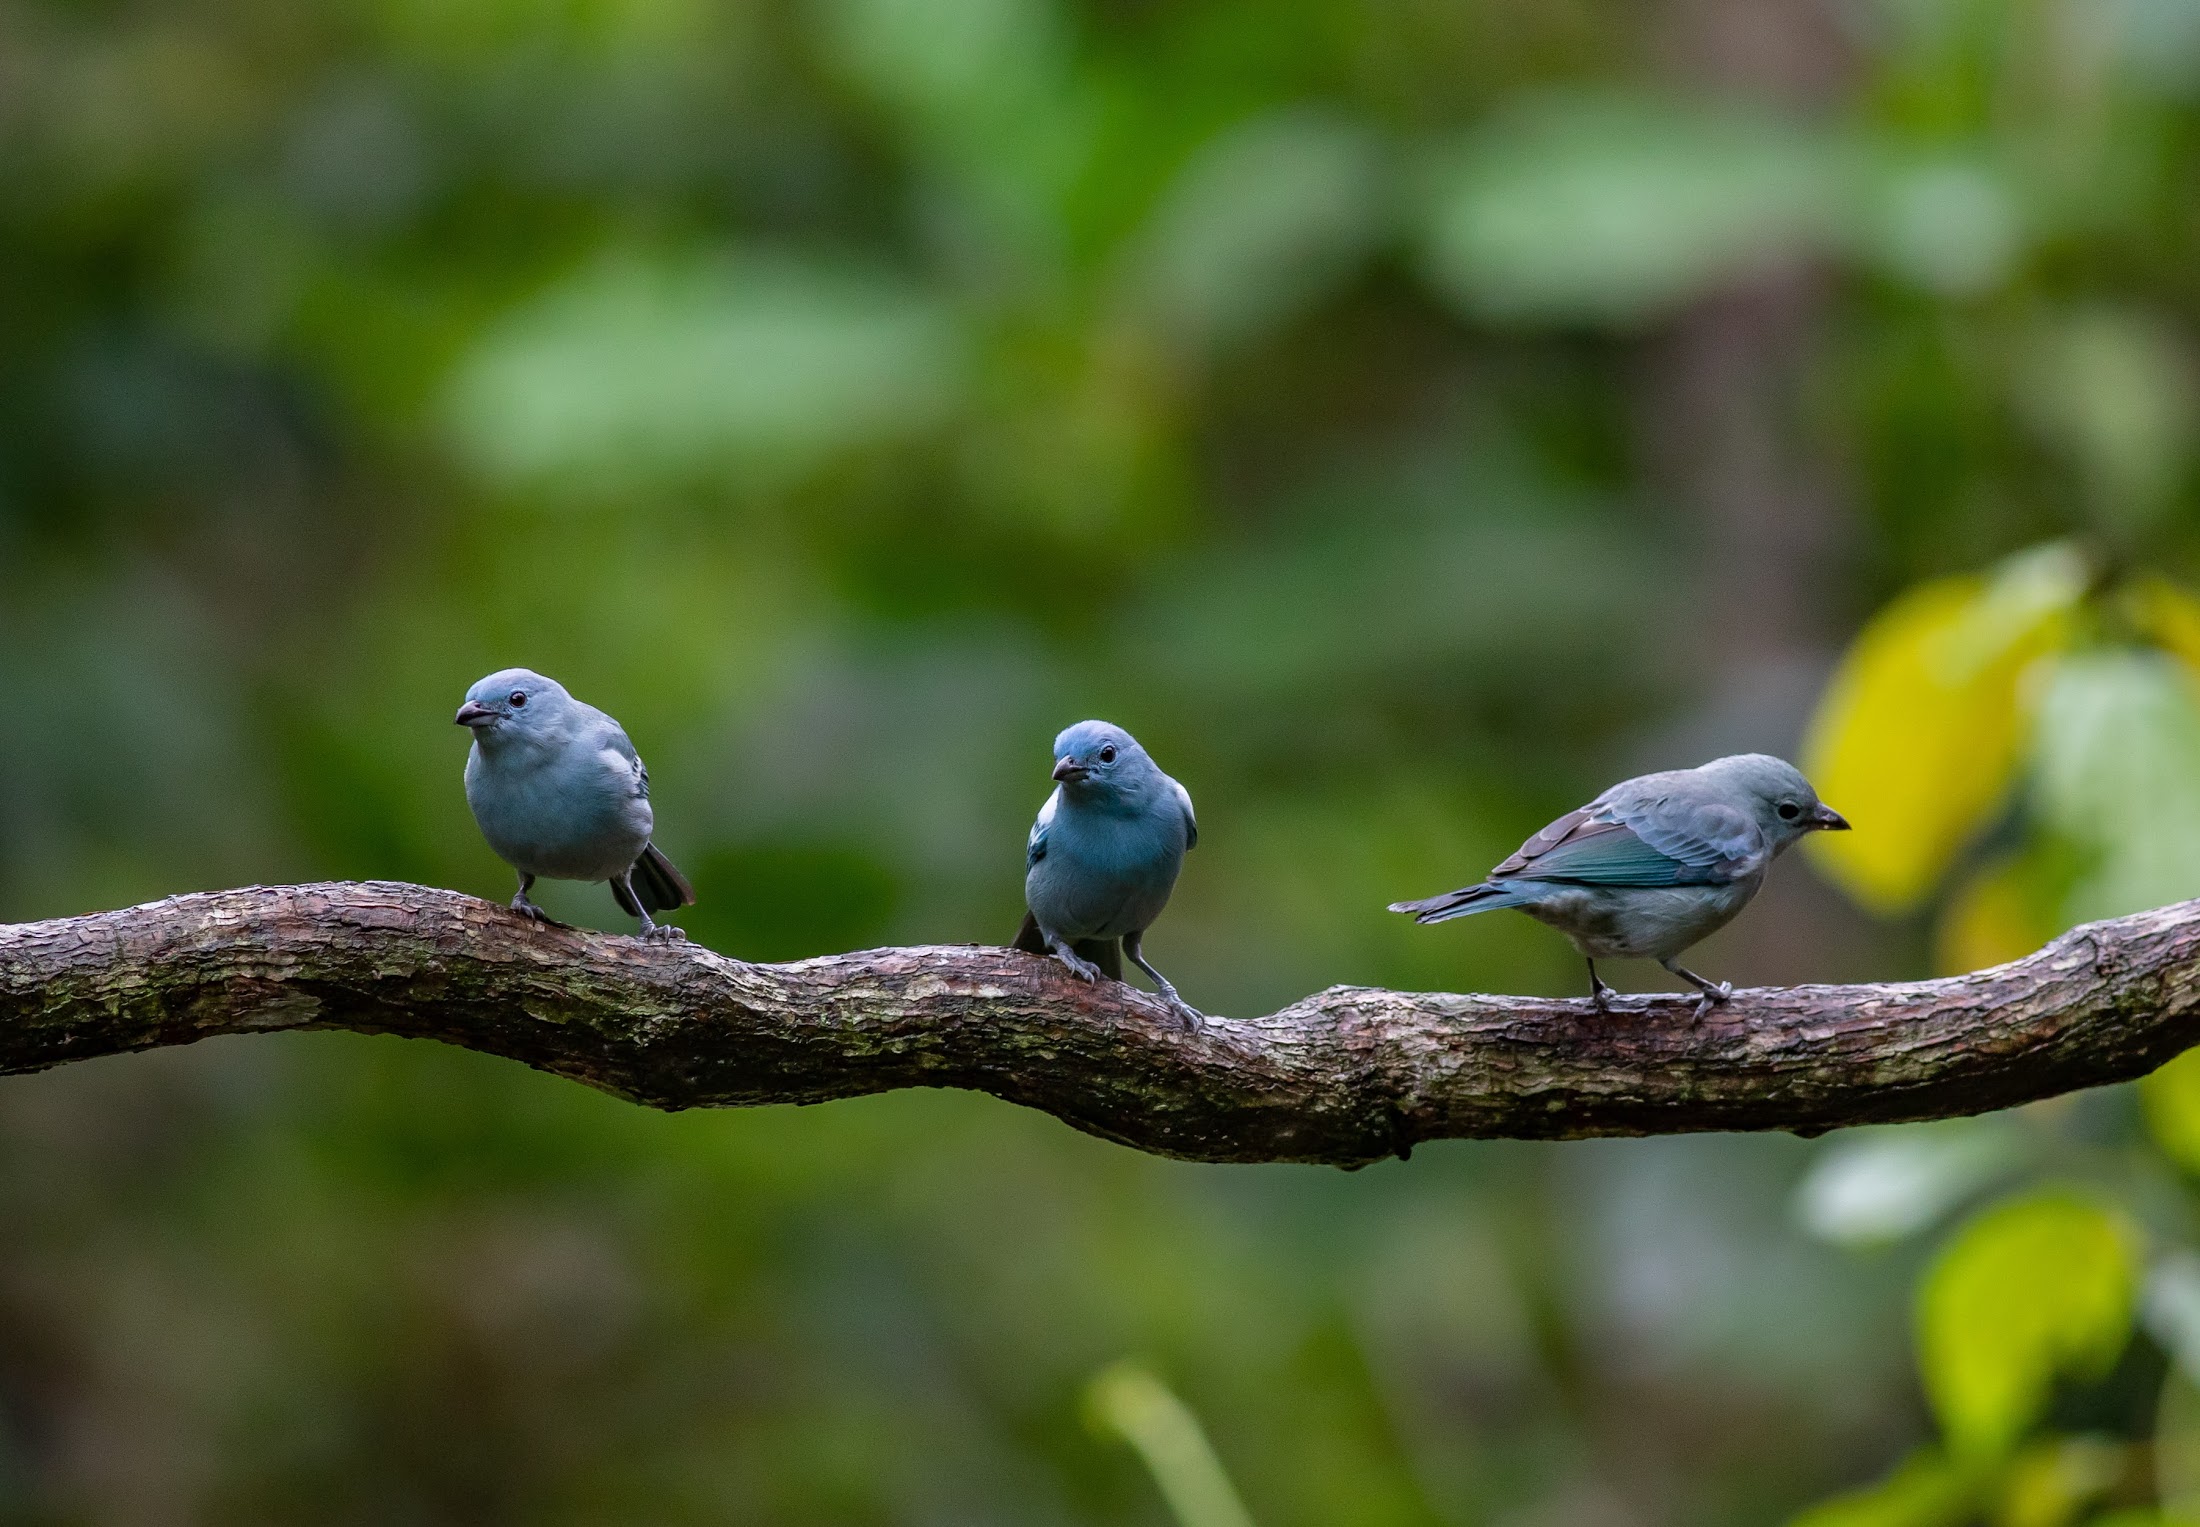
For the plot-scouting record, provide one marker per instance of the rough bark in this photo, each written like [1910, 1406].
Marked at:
[1347, 1076]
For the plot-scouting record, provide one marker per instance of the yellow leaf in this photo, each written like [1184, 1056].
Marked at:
[2170, 1100]
[2028, 1290]
[2052, 1483]
[2167, 616]
[2001, 914]
[1917, 738]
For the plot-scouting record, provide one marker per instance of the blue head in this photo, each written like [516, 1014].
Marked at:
[1094, 759]
[1774, 792]
[513, 704]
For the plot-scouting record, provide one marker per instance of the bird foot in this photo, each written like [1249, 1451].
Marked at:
[663, 933]
[1186, 1014]
[535, 914]
[1083, 969]
[1713, 996]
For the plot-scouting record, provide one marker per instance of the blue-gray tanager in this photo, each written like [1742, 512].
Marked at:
[1652, 865]
[1104, 856]
[560, 792]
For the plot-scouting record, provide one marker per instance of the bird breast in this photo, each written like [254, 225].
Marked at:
[1641, 922]
[1105, 875]
[572, 815]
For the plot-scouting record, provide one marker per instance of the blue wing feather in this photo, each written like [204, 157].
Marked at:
[1611, 853]
[1035, 847]
[1655, 843]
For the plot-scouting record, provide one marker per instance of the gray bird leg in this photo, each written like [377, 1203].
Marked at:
[661, 932]
[1600, 991]
[527, 908]
[1186, 1014]
[1714, 993]
[1080, 967]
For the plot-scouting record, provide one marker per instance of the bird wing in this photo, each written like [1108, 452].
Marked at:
[613, 739]
[1697, 832]
[1035, 848]
[1653, 843]
[1191, 819]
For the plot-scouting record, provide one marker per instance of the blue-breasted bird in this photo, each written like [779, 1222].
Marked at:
[1104, 855]
[559, 792]
[1653, 865]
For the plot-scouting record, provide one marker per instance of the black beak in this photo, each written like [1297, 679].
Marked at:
[1826, 819]
[473, 713]
[1069, 768]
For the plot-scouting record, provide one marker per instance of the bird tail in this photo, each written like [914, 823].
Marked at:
[1107, 953]
[1461, 903]
[1028, 938]
[657, 884]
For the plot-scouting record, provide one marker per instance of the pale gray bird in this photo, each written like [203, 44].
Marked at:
[1653, 865]
[1104, 855]
[560, 793]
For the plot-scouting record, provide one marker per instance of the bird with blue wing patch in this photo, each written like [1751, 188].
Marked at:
[1103, 857]
[1652, 866]
[560, 793]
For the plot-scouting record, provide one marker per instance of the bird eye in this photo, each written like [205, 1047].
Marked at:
[1789, 811]
[519, 698]
[1107, 754]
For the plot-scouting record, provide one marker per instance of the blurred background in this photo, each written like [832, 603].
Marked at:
[1406, 418]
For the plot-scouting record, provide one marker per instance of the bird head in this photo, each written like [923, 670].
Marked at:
[1095, 758]
[1775, 792]
[511, 702]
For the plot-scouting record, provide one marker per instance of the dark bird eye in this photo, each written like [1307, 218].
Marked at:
[519, 697]
[1789, 811]
[1107, 754]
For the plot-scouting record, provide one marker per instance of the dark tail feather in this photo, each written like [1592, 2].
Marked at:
[1107, 953]
[660, 887]
[1461, 903]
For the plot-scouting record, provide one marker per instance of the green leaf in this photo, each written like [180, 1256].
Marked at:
[1612, 210]
[2117, 773]
[1877, 1185]
[959, 62]
[2032, 1289]
[2172, 1307]
[2110, 389]
[1946, 222]
[1918, 737]
[636, 368]
[1925, 1490]
[1263, 218]
[2177, 1449]
[1131, 1402]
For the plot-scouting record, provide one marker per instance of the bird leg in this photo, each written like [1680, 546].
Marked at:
[1600, 990]
[1714, 993]
[528, 909]
[1186, 1014]
[662, 933]
[1080, 967]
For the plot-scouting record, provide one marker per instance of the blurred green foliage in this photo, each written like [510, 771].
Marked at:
[1406, 418]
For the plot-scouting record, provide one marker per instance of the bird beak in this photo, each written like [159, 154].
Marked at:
[1826, 819]
[1069, 768]
[473, 713]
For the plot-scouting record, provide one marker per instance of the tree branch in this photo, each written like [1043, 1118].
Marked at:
[1347, 1076]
